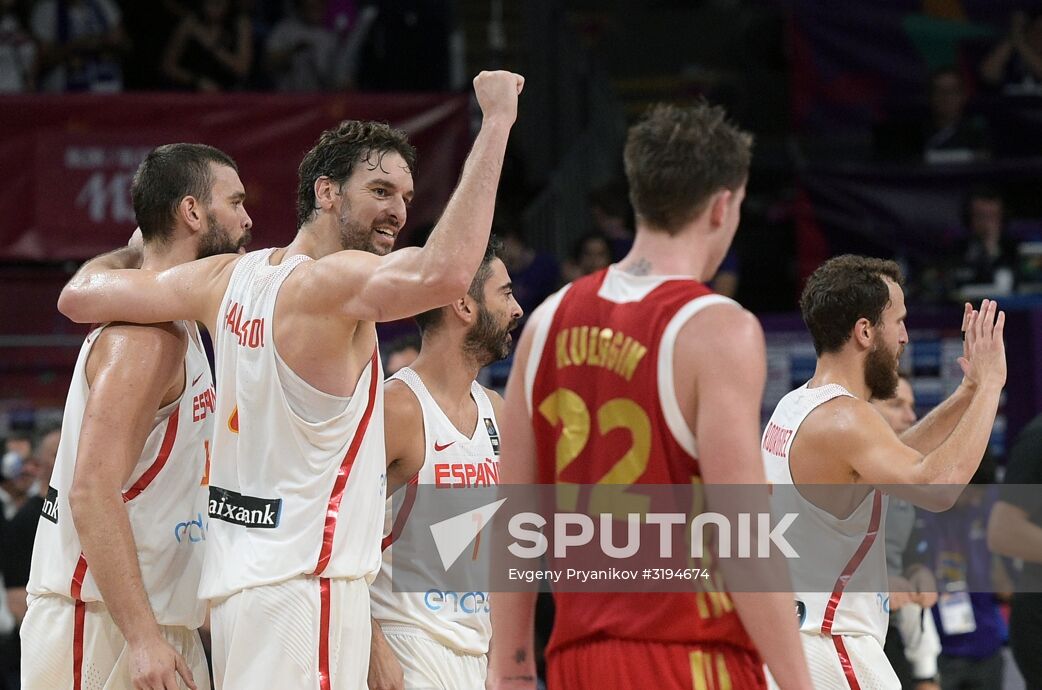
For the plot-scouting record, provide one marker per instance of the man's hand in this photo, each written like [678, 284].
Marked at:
[155, 665]
[924, 587]
[900, 592]
[497, 94]
[984, 361]
[385, 673]
[968, 315]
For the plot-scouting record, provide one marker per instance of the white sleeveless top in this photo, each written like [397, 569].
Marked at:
[165, 498]
[288, 496]
[458, 620]
[855, 559]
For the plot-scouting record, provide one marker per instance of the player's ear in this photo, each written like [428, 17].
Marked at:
[863, 331]
[464, 309]
[719, 205]
[325, 191]
[192, 213]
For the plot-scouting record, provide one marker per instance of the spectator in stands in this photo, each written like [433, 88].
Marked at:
[401, 353]
[20, 532]
[17, 475]
[1015, 530]
[535, 275]
[911, 647]
[1015, 63]
[81, 44]
[967, 615]
[211, 50]
[952, 134]
[18, 55]
[988, 256]
[590, 253]
[304, 54]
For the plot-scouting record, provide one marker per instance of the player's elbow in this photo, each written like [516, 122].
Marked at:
[85, 493]
[72, 302]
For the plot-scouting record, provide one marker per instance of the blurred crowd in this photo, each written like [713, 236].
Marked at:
[223, 45]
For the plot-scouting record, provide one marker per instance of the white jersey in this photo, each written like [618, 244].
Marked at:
[165, 499]
[457, 620]
[288, 496]
[856, 547]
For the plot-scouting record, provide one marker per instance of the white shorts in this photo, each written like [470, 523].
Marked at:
[839, 662]
[66, 644]
[429, 665]
[306, 633]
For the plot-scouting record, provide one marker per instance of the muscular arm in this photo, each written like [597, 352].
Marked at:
[119, 414]
[191, 292]
[722, 348]
[403, 433]
[511, 656]
[360, 286]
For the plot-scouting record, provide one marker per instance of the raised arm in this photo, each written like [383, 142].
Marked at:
[932, 429]
[723, 350]
[121, 407]
[406, 282]
[880, 458]
[99, 293]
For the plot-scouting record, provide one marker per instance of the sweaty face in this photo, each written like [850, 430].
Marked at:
[489, 340]
[227, 223]
[374, 203]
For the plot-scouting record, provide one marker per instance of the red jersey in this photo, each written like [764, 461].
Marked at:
[599, 386]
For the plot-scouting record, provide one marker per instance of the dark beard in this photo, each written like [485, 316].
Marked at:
[485, 341]
[881, 373]
[218, 240]
[354, 235]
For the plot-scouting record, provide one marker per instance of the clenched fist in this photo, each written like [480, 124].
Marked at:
[497, 94]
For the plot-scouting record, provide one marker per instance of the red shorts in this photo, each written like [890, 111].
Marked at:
[623, 664]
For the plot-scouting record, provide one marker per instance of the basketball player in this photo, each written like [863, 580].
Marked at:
[300, 406]
[698, 370]
[113, 590]
[827, 433]
[444, 426]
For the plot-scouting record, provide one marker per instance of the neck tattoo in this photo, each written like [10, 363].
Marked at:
[640, 267]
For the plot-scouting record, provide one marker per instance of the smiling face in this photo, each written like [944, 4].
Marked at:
[373, 203]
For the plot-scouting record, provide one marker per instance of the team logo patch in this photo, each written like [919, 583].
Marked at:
[233, 421]
[245, 511]
[50, 505]
[493, 435]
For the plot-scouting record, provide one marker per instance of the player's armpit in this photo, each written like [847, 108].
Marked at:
[190, 291]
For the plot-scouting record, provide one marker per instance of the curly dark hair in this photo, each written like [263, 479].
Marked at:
[678, 157]
[841, 291]
[337, 151]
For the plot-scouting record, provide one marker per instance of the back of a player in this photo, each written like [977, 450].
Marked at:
[296, 504]
[842, 616]
[600, 388]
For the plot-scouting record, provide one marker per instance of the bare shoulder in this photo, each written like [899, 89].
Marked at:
[843, 424]
[157, 350]
[723, 328]
[400, 403]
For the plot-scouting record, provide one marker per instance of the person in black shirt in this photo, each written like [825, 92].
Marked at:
[1015, 530]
